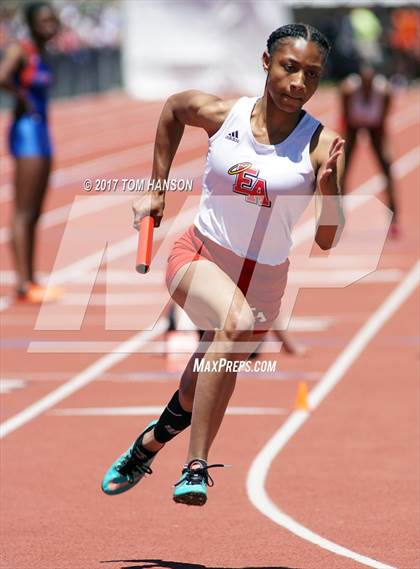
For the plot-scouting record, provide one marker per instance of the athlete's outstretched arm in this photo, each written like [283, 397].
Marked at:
[193, 108]
[330, 222]
[388, 96]
[344, 91]
[9, 65]
[187, 108]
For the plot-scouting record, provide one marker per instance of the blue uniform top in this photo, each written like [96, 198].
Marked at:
[29, 135]
[34, 78]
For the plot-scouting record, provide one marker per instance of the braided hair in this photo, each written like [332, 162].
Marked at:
[31, 11]
[305, 31]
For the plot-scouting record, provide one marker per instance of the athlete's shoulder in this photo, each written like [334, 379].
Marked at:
[350, 84]
[327, 135]
[15, 50]
[218, 109]
[381, 84]
[203, 102]
[216, 112]
[204, 110]
[12, 61]
[321, 143]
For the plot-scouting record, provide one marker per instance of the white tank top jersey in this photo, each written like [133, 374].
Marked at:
[366, 112]
[254, 193]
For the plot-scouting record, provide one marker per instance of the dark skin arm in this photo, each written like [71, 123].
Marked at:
[345, 93]
[387, 105]
[11, 63]
[196, 108]
[328, 158]
[193, 108]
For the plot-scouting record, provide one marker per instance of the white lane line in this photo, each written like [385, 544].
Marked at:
[331, 277]
[182, 346]
[116, 251]
[116, 276]
[406, 162]
[142, 114]
[406, 117]
[295, 275]
[60, 214]
[7, 385]
[307, 278]
[157, 410]
[81, 379]
[257, 474]
[399, 121]
[103, 141]
[305, 232]
[5, 302]
[403, 166]
[340, 261]
[119, 249]
[157, 376]
[109, 299]
[310, 323]
[84, 347]
[94, 139]
[118, 354]
[365, 334]
[106, 165]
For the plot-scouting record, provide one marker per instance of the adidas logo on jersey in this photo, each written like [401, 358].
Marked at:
[234, 136]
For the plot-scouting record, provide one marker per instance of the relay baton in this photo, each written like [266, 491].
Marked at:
[144, 246]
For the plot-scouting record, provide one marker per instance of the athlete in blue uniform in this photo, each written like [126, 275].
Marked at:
[25, 74]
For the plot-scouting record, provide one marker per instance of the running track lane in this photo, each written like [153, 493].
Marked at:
[125, 539]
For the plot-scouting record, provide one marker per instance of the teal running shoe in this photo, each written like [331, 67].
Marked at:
[191, 488]
[129, 468]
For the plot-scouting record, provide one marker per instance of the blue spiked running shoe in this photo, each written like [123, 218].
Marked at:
[191, 488]
[129, 468]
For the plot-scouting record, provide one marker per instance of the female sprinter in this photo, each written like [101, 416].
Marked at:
[366, 99]
[25, 74]
[229, 269]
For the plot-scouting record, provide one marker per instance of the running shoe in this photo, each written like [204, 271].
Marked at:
[191, 488]
[129, 468]
[36, 294]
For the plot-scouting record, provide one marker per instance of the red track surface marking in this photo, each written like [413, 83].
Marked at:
[349, 474]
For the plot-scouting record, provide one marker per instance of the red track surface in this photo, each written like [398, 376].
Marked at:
[350, 474]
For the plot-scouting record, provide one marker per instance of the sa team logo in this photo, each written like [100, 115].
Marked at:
[249, 184]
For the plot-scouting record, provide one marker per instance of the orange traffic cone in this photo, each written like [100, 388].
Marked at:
[301, 403]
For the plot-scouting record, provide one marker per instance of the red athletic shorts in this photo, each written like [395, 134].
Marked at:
[262, 285]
